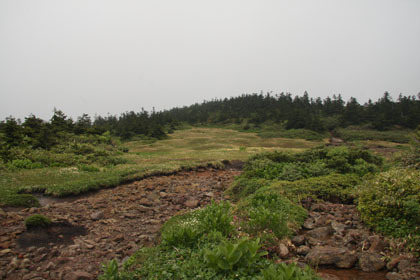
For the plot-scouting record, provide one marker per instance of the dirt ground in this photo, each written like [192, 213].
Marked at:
[109, 224]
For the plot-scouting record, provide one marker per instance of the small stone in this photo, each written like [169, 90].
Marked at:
[320, 233]
[347, 260]
[192, 203]
[298, 240]
[404, 265]
[393, 262]
[282, 251]
[81, 275]
[97, 215]
[145, 201]
[31, 249]
[209, 194]
[339, 228]
[394, 276]
[370, 262]
[41, 250]
[40, 257]
[14, 263]
[26, 262]
[303, 250]
[5, 252]
[309, 223]
[377, 244]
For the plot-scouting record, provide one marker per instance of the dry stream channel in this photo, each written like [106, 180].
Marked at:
[113, 223]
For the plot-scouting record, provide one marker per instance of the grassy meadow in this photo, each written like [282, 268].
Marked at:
[184, 148]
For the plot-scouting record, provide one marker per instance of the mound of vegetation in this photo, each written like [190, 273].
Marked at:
[205, 244]
[37, 221]
[390, 203]
[328, 173]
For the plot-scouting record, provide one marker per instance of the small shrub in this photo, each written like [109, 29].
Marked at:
[36, 221]
[390, 203]
[216, 217]
[17, 200]
[23, 164]
[262, 220]
[244, 186]
[186, 230]
[231, 256]
[269, 212]
[333, 187]
[184, 235]
[358, 133]
[283, 271]
[88, 168]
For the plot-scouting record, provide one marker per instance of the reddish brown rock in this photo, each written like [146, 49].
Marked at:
[370, 262]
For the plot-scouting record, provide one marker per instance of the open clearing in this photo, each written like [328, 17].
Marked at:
[182, 150]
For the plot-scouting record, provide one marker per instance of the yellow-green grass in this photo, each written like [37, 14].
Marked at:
[186, 148]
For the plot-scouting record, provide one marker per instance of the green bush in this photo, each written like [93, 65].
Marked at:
[267, 213]
[283, 271]
[390, 203]
[315, 162]
[23, 164]
[186, 230]
[88, 168]
[359, 133]
[18, 200]
[216, 217]
[244, 186]
[230, 256]
[36, 221]
[333, 187]
[292, 133]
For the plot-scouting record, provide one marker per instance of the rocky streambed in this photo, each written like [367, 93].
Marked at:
[114, 223]
[335, 240]
[108, 224]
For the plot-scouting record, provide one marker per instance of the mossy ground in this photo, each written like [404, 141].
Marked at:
[184, 148]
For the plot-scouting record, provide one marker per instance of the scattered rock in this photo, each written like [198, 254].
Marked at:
[282, 251]
[377, 244]
[145, 201]
[393, 262]
[82, 275]
[404, 265]
[348, 260]
[370, 262]
[309, 223]
[192, 203]
[98, 215]
[298, 240]
[5, 252]
[320, 233]
[325, 255]
[303, 250]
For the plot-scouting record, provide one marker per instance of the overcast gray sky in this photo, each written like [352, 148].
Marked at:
[100, 56]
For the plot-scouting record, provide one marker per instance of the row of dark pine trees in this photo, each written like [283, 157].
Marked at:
[294, 112]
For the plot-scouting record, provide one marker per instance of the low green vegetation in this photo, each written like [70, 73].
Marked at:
[358, 133]
[205, 244]
[231, 241]
[37, 221]
[390, 203]
[328, 173]
[81, 163]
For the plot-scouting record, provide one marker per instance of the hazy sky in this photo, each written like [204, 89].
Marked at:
[100, 56]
